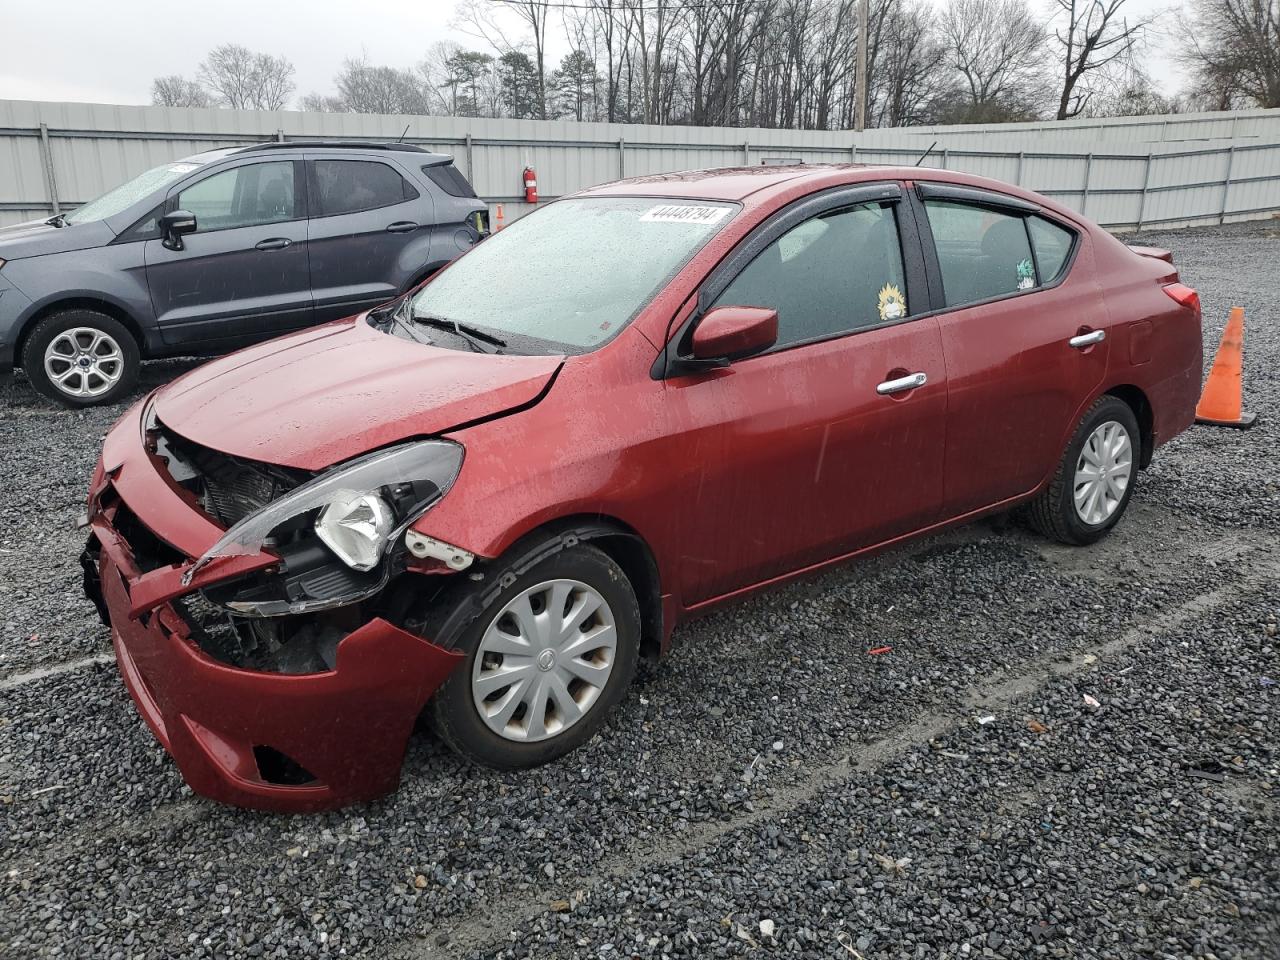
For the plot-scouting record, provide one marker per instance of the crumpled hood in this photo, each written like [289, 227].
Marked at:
[36, 238]
[320, 396]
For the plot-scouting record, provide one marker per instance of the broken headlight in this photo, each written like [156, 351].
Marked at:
[357, 509]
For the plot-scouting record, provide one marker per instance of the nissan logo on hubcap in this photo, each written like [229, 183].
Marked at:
[546, 659]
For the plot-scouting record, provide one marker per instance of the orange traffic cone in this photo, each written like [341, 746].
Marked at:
[1220, 402]
[499, 224]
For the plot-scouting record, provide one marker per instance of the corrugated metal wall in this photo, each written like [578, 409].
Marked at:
[1125, 172]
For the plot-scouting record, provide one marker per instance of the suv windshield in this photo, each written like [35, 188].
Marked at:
[569, 277]
[127, 194]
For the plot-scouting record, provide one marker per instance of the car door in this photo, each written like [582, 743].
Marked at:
[369, 233]
[242, 276]
[831, 441]
[1024, 334]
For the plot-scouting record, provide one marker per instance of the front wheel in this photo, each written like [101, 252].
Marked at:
[547, 659]
[1094, 481]
[81, 357]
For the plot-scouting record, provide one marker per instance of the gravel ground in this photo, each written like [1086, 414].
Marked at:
[770, 788]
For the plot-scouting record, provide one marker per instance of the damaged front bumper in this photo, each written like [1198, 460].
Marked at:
[273, 741]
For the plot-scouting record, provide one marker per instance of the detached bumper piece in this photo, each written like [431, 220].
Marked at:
[291, 742]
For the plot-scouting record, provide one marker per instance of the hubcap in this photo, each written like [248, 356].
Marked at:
[1103, 472]
[84, 362]
[544, 660]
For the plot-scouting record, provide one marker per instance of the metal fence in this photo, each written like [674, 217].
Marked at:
[1124, 173]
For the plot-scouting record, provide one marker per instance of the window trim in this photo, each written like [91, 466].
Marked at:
[142, 236]
[775, 226]
[1015, 207]
[313, 184]
[300, 197]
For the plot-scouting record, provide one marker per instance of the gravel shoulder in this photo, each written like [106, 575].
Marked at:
[770, 770]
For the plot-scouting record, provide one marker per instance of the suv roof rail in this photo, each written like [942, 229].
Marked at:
[338, 144]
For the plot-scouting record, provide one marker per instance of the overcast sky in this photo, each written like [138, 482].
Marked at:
[108, 51]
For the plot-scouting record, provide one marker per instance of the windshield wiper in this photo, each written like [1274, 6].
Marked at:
[59, 221]
[396, 317]
[473, 335]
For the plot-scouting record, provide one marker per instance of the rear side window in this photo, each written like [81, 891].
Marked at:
[983, 253]
[827, 276]
[1052, 244]
[244, 196]
[349, 186]
[449, 179]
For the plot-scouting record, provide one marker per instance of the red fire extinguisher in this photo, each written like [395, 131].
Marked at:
[530, 185]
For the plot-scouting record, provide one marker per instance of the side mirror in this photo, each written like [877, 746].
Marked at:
[726, 334]
[175, 225]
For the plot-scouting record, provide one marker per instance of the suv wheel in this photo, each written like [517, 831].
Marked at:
[81, 357]
[547, 658]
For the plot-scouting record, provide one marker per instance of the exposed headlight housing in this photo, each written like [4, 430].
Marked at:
[360, 507]
[356, 528]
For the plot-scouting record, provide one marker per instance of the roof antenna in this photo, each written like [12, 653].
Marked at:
[404, 133]
[926, 153]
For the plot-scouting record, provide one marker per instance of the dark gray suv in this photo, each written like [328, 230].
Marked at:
[222, 249]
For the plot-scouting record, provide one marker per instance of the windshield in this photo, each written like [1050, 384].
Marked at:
[571, 276]
[127, 194]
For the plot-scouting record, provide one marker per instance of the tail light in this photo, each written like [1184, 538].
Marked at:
[1184, 295]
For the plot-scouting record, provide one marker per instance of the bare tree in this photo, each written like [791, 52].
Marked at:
[322, 103]
[1233, 49]
[1129, 92]
[907, 78]
[997, 47]
[364, 88]
[481, 19]
[178, 91]
[1093, 35]
[244, 80]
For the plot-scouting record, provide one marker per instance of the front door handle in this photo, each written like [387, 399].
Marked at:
[402, 226]
[909, 382]
[275, 243]
[1082, 340]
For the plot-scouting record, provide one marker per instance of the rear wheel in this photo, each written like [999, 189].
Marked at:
[547, 658]
[1094, 481]
[81, 357]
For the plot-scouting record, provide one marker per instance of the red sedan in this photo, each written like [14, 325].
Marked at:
[486, 500]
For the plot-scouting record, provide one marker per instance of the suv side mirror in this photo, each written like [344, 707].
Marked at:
[175, 225]
[726, 334]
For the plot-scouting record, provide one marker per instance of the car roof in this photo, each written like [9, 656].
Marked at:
[730, 183]
[760, 186]
[420, 155]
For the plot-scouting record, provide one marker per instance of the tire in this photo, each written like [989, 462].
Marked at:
[110, 371]
[471, 622]
[1054, 512]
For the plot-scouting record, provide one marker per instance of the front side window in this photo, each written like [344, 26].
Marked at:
[834, 274]
[570, 276]
[983, 253]
[349, 186]
[245, 196]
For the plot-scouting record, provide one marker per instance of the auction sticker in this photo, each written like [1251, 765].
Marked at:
[683, 213]
[183, 167]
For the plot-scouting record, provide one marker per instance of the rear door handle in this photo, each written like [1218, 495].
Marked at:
[909, 382]
[1080, 341]
[275, 243]
[402, 226]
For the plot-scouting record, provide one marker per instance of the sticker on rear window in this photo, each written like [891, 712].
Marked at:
[183, 167]
[683, 213]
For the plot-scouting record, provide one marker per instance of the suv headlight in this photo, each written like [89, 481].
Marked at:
[359, 508]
